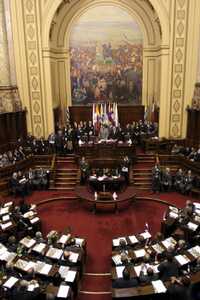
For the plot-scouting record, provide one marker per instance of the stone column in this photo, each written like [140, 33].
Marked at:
[9, 97]
[4, 54]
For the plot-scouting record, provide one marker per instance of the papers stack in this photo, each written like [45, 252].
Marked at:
[63, 291]
[159, 286]
[21, 264]
[29, 214]
[64, 238]
[117, 259]
[71, 275]
[119, 271]
[195, 251]
[5, 218]
[32, 287]
[4, 211]
[192, 226]
[140, 253]
[39, 247]
[73, 257]
[8, 204]
[173, 215]
[34, 220]
[6, 225]
[182, 259]
[169, 242]
[8, 256]
[79, 242]
[10, 282]
[133, 239]
[30, 265]
[158, 248]
[28, 243]
[54, 253]
[2, 249]
[43, 268]
[146, 235]
[116, 241]
[174, 209]
[63, 271]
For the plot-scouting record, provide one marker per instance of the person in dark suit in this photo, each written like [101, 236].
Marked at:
[20, 292]
[179, 289]
[147, 278]
[23, 206]
[126, 281]
[168, 268]
[166, 180]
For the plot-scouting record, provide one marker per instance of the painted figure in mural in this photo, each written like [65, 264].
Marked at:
[106, 64]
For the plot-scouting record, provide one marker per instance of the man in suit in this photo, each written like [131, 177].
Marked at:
[168, 268]
[179, 289]
[126, 281]
[148, 277]
[84, 168]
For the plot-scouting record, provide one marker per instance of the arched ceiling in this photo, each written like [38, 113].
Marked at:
[66, 12]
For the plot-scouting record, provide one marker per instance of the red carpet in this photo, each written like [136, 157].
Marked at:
[99, 229]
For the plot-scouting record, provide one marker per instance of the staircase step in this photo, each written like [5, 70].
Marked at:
[56, 188]
[140, 179]
[142, 183]
[65, 183]
[66, 178]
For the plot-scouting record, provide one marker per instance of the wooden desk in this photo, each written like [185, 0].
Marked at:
[84, 194]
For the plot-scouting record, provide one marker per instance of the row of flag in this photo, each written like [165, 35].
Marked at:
[105, 113]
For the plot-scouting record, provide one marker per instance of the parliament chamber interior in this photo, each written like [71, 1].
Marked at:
[100, 149]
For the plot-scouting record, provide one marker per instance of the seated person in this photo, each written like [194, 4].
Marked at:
[156, 179]
[179, 289]
[168, 268]
[23, 206]
[149, 276]
[126, 281]
[12, 244]
[179, 181]
[187, 183]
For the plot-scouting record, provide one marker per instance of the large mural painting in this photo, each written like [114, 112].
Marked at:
[106, 47]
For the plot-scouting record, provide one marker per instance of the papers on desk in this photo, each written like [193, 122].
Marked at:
[33, 206]
[146, 235]
[158, 248]
[173, 215]
[195, 251]
[8, 256]
[63, 271]
[4, 211]
[63, 291]
[174, 209]
[140, 253]
[8, 204]
[2, 249]
[119, 271]
[117, 259]
[64, 238]
[39, 247]
[28, 243]
[116, 241]
[93, 177]
[192, 226]
[158, 286]
[54, 253]
[79, 242]
[5, 218]
[32, 287]
[6, 225]
[133, 239]
[43, 268]
[10, 282]
[137, 270]
[30, 265]
[124, 169]
[21, 264]
[71, 275]
[169, 242]
[34, 220]
[73, 257]
[182, 259]
[29, 214]
[197, 218]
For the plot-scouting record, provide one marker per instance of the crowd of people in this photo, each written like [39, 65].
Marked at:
[163, 180]
[22, 258]
[23, 183]
[160, 258]
[191, 153]
[10, 157]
